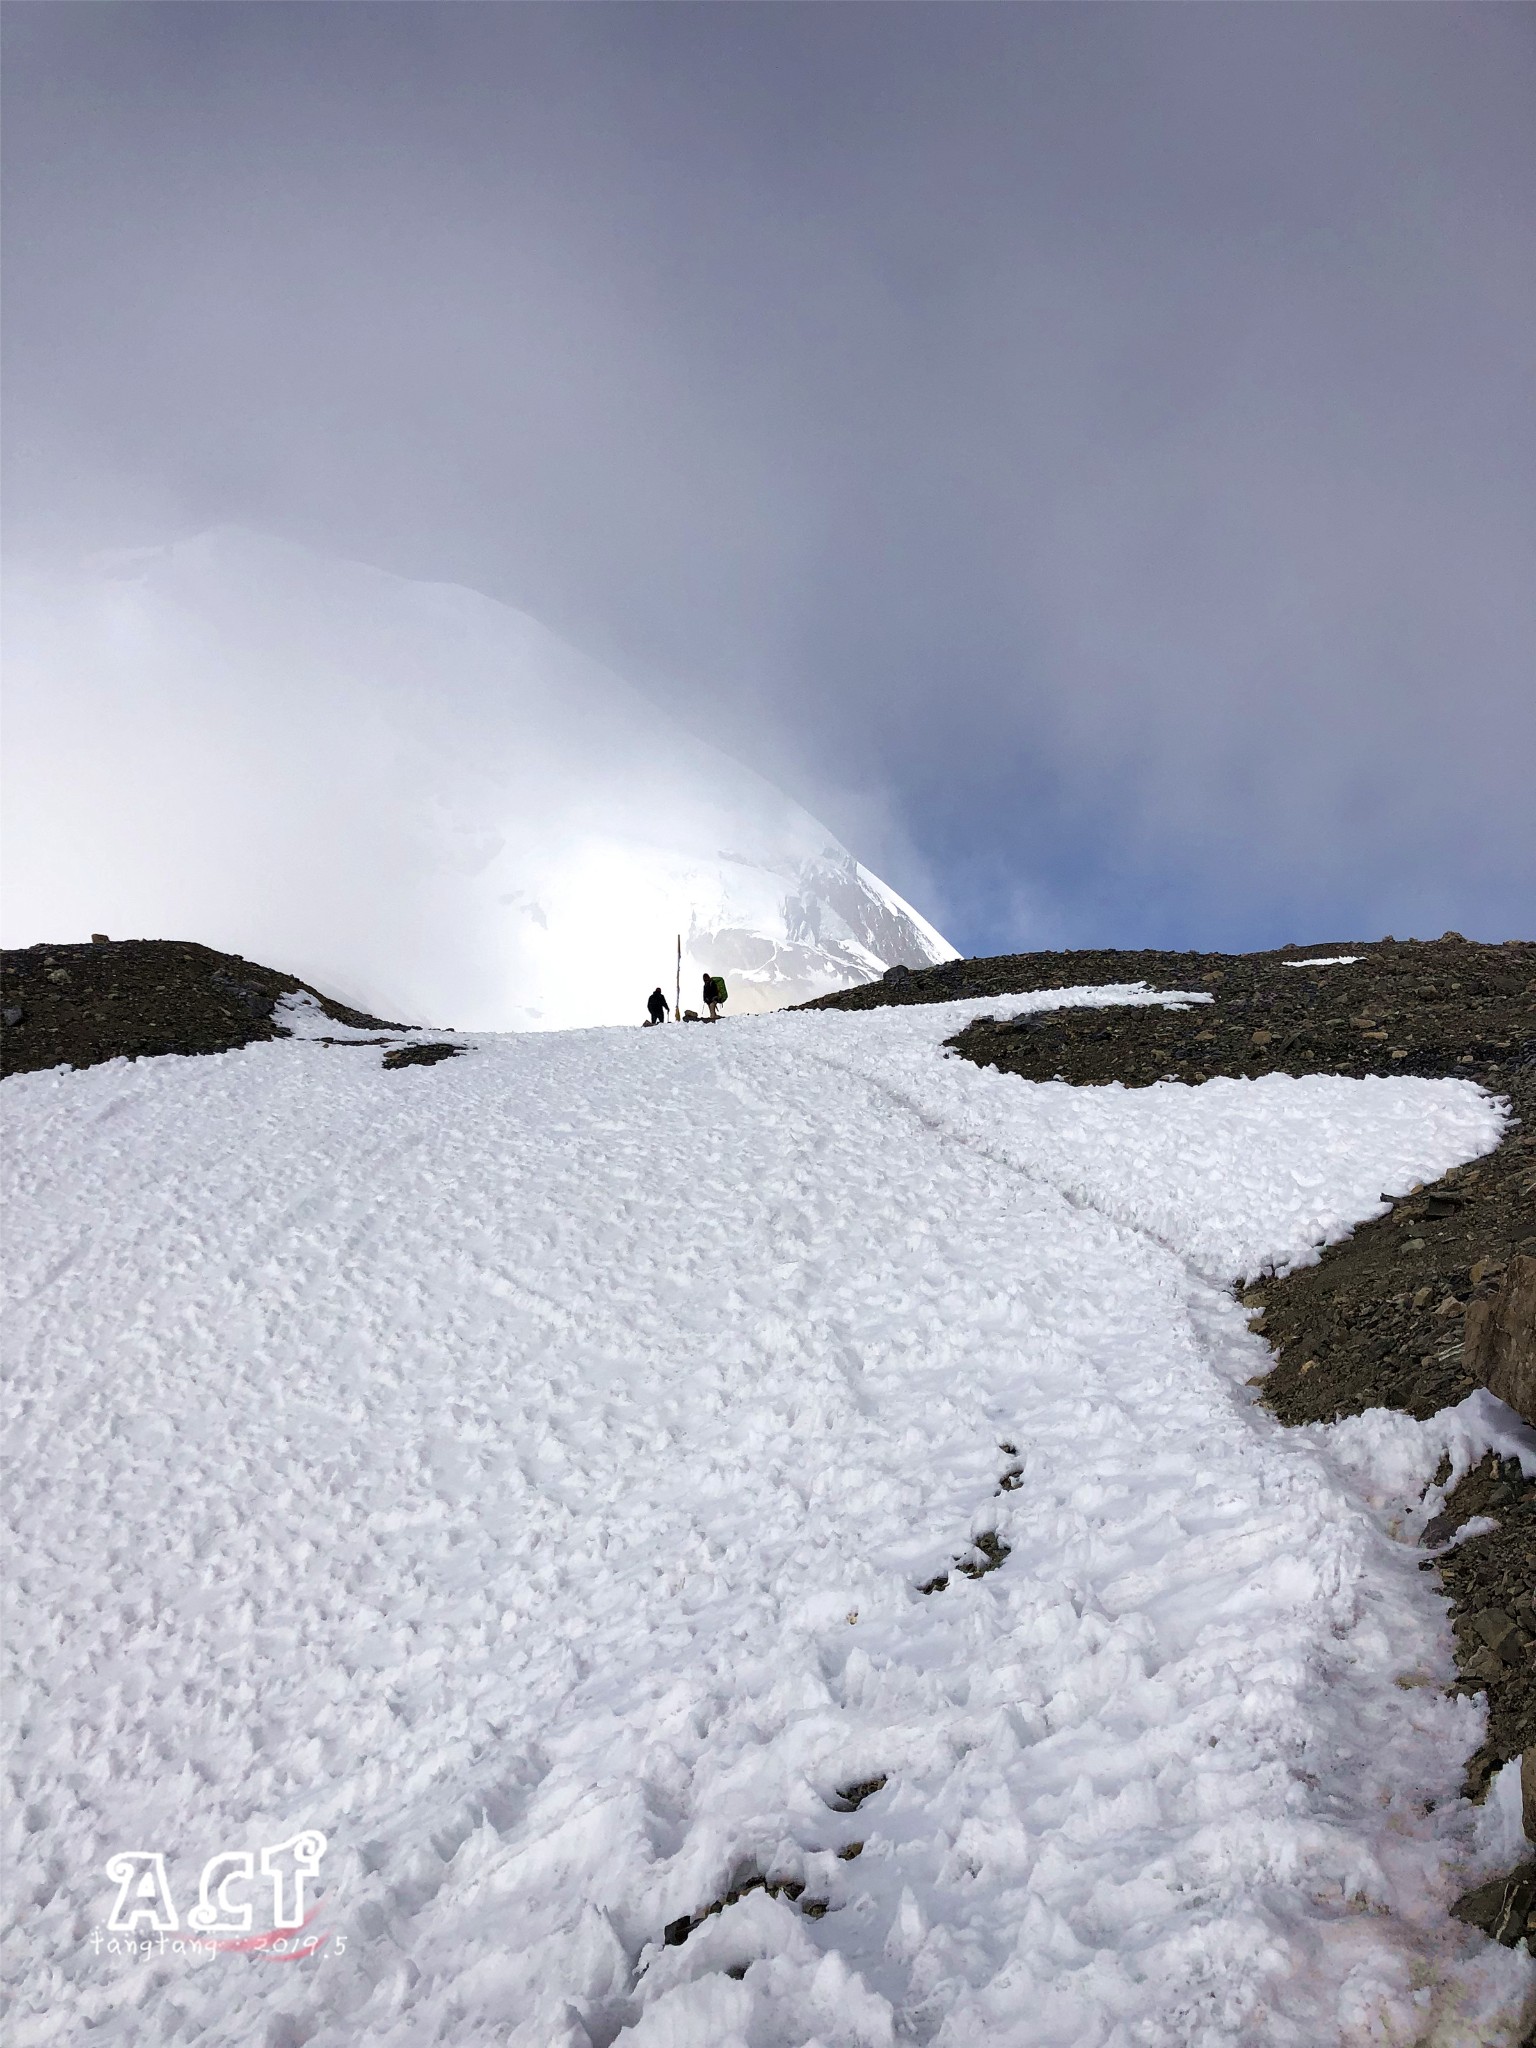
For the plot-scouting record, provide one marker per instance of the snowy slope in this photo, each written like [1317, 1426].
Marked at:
[406, 788]
[523, 1471]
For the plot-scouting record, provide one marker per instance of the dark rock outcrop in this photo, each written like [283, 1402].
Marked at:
[77, 1005]
[1498, 1342]
[421, 1055]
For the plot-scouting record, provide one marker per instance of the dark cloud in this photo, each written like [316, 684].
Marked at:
[1086, 452]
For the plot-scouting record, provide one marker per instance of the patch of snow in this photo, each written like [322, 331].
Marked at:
[300, 1015]
[523, 1471]
[1396, 1455]
[1501, 1838]
[1479, 1525]
[404, 792]
[1333, 960]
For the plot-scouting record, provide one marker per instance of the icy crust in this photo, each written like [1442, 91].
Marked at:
[523, 1471]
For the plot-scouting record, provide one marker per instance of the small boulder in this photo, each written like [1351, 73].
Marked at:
[1502, 1909]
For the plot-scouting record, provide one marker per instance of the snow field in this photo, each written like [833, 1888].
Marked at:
[523, 1470]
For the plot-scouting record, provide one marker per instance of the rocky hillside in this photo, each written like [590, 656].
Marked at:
[77, 1005]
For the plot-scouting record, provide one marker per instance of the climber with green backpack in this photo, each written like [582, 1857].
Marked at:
[715, 993]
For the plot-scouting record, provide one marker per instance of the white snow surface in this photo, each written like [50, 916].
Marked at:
[415, 797]
[299, 1014]
[1331, 960]
[523, 1470]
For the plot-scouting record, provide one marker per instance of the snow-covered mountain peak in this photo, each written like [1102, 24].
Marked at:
[408, 791]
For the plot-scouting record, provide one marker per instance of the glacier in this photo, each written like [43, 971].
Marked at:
[407, 792]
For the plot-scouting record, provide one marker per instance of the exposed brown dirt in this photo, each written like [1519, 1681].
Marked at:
[77, 1005]
[1378, 1321]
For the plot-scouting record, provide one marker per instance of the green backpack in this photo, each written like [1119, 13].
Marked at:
[717, 991]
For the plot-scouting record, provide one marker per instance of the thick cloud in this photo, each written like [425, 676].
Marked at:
[1085, 453]
[404, 792]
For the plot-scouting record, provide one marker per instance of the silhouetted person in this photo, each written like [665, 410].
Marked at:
[715, 993]
[658, 1006]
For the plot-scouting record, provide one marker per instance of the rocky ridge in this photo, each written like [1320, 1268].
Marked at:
[77, 1005]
